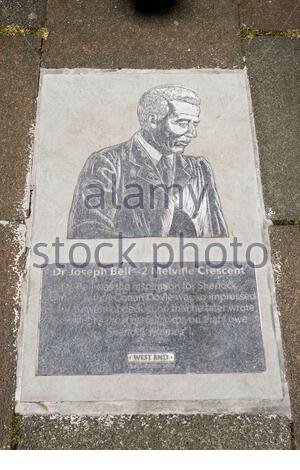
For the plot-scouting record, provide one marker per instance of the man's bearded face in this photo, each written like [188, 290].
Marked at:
[178, 128]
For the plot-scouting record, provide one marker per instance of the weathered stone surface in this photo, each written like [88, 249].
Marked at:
[156, 432]
[115, 34]
[19, 69]
[285, 241]
[273, 67]
[10, 268]
[24, 13]
[277, 15]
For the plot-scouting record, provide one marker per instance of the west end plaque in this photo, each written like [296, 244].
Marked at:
[149, 287]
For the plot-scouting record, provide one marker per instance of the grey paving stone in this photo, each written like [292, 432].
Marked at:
[273, 67]
[114, 34]
[11, 265]
[285, 242]
[269, 15]
[19, 70]
[156, 432]
[23, 12]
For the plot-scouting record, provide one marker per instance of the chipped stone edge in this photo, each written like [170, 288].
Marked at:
[30, 188]
[18, 232]
[158, 407]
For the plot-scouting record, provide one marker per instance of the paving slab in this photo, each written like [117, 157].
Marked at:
[279, 15]
[19, 71]
[285, 241]
[116, 34]
[23, 12]
[156, 432]
[11, 265]
[274, 69]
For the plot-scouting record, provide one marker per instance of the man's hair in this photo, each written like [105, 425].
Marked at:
[157, 101]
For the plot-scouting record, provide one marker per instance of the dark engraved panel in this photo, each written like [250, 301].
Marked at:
[125, 320]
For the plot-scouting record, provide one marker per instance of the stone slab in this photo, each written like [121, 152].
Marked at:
[285, 242]
[274, 69]
[68, 132]
[19, 70]
[156, 432]
[115, 35]
[23, 13]
[279, 15]
[11, 265]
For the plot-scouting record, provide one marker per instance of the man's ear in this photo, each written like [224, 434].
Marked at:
[152, 121]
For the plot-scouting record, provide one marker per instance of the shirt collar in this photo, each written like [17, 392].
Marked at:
[154, 154]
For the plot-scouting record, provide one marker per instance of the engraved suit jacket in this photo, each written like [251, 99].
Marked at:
[115, 193]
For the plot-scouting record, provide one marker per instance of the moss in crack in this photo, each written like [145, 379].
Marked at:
[249, 32]
[17, 30]
[15, 431]
[286, 222]
[297, 222]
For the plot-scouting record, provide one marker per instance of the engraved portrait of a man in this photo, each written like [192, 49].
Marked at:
[149, 186]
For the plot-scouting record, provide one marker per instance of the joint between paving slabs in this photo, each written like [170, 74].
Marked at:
[249, 32]
[293, 437]
[29, 212]
[15, 431]
[295, 222]
[18, 30]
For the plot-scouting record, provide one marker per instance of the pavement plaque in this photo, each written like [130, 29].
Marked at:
[149, 286]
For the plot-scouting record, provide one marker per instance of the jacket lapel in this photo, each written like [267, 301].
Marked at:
[141, 165]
